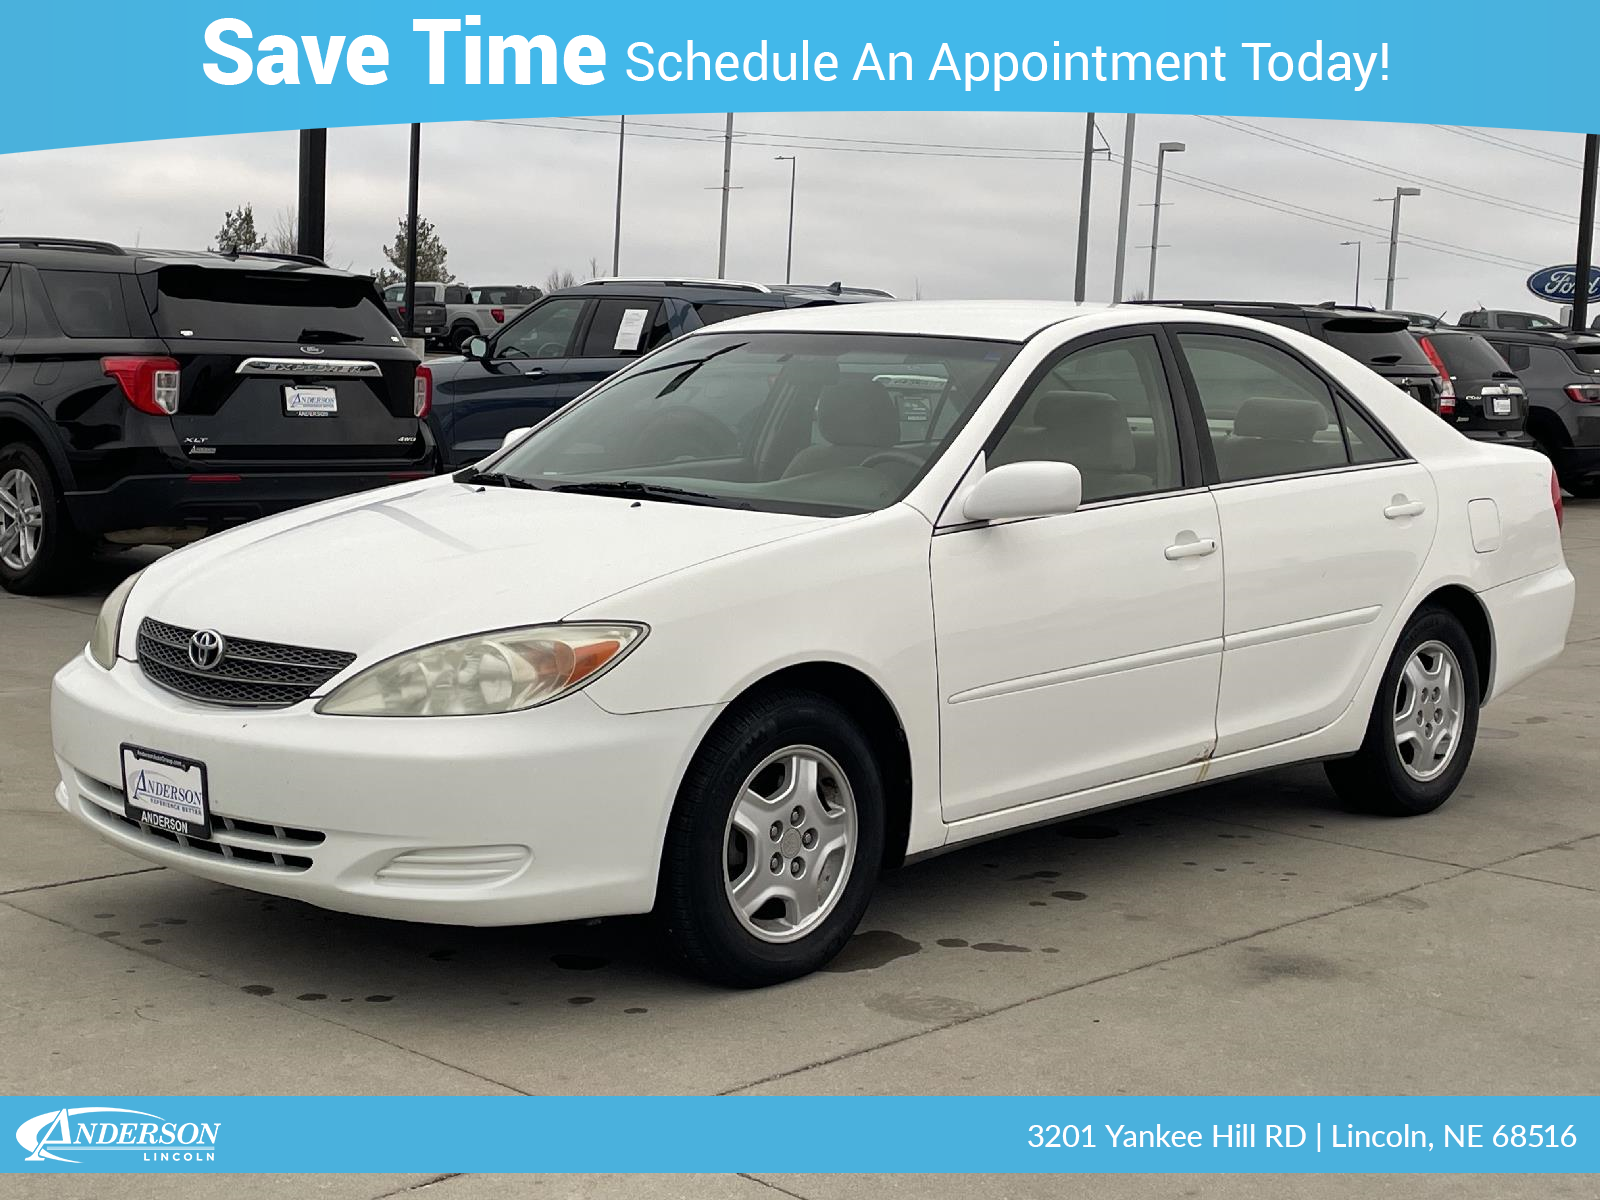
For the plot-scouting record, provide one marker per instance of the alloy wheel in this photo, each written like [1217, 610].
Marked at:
[790, 844]
[1429, 708]
[21, 519]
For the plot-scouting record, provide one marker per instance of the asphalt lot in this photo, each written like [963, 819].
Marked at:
[1249, 937]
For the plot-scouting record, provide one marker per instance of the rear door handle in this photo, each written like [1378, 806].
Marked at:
[1196, 548]
[1404, 508]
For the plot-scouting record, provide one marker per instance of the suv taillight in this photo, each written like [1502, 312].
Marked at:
[1584, 393]
[1555, 499]
[422, 392]
[499, 315]
[1447, 398]
[149, 382]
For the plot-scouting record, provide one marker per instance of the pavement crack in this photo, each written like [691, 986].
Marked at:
[767, 1183]
[39, 887]
[420, 1185]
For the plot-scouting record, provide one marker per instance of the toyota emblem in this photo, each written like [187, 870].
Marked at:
[206, 648]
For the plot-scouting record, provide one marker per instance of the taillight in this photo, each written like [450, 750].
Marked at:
[1584, 393]
[1447, 398]
[149, 382]
[499, 315]
[1555, 499]
[422, 392]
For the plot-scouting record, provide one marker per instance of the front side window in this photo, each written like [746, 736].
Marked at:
[543, 331]
[785, 422]
[1269, 414]
[1106, 410]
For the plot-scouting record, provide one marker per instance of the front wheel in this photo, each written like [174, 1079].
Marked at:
[1424, 722]
[775, 843]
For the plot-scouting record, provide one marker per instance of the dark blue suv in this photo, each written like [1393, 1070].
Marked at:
[571, 339]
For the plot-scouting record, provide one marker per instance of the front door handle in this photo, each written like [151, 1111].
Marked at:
[1192, 548]
[1402, 507]
[534, 371]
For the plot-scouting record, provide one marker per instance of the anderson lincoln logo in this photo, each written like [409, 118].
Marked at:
[167, 796]
[54, 1135]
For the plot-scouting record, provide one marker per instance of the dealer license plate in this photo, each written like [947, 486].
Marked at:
[310, 401]
[1502, 405]
[165, 791]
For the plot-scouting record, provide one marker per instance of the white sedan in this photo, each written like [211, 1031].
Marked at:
[752, 621]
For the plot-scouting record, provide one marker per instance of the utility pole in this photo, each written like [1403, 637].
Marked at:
[727, 183]
[616, 238]
[1080, 283]
[411, 233]
[1122, 210]
[312, 210]
[1394, 237]
[1580, 284]
[794, 167]
[1357, 245]
[1162, 151]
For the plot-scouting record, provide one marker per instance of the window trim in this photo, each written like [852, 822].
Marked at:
[1336, 390]
[1190, 474]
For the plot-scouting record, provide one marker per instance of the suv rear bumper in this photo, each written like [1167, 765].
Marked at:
[213, 501]
[1577, 463]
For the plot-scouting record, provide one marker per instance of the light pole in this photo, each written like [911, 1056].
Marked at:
[794, 167]
[1081, 276]
[1394, 236]
[1357, 245]
[727, 183]
[1165, 149]
[616, 237]
[1122, 209]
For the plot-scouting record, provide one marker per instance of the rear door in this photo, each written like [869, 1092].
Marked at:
[618, 331]
[284, 368]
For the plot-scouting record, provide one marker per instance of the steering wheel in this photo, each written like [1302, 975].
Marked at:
[905, 457]
[684, 432]
[551, 350]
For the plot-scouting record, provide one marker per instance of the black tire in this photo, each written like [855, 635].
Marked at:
[1375, 778]
[1584, 489]
[62, 551]
[460, 335]
[693, 907]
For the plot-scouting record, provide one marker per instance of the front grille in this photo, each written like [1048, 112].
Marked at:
[278, 847]
[251, 674]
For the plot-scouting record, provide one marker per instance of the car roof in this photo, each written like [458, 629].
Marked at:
[1538, 337]
[983, 320]
[81, 254]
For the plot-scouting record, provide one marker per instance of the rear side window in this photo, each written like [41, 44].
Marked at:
[268, 306]
[457, 295]
[1269, 414]
[710, 314]
[7, 301]
[1515, 354]
[87, 304]
[624, 327]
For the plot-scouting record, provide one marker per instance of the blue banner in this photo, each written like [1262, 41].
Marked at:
[123, 72]
[852, 1134]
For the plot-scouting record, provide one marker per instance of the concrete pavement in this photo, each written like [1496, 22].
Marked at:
[1247, 937]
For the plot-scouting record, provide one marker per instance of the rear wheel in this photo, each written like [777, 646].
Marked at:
[775, 843]
[39, 549]
[1424, 722]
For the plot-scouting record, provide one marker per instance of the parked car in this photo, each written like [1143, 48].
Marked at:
[450, 315]
[721, 642]
[148, 396]
[1561, 373]
[1483, 395]
[1503, 318]
[571, 339]
[1378, 341]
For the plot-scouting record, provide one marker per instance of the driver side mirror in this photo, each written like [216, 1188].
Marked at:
[515, 435]
[477, 348]
[1024, 489]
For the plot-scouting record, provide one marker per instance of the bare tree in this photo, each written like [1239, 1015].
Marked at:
[559, 278]
[916, 288]
[285, 235]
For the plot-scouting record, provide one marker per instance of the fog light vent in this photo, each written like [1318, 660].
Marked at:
[455, 866]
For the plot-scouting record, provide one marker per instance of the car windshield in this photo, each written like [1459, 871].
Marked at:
[1468, 355]
[829, 423]
[267, 306]
[1380, 342]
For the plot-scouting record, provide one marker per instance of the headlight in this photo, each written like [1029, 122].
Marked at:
[487, 673]
[108, 625]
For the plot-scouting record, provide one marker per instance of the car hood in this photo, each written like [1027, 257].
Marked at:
[409, 566]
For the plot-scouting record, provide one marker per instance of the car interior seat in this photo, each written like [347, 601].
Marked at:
[857, 419]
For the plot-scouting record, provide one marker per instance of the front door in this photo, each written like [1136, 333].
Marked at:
[1082, 649]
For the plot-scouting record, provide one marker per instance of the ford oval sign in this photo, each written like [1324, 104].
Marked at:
[1559, 284]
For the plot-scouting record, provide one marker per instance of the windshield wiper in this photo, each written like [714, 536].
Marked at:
[501, 479]
[646, 491]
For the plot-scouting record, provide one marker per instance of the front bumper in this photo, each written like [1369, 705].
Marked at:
[553, 814]
[217, 500]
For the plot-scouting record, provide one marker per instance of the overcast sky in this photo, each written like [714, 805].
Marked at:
[966, 204]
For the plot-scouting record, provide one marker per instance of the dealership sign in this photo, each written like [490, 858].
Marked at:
[1559, 284]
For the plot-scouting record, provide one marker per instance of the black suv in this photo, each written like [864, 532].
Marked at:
[147, 396]
[1382, 342]
[571, 339]
[1483, 395]
[1561, 374]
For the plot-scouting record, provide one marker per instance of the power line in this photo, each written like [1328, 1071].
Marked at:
[1520, 207]
[1501, 143]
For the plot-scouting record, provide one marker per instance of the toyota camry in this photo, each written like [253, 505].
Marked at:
[811, 594]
